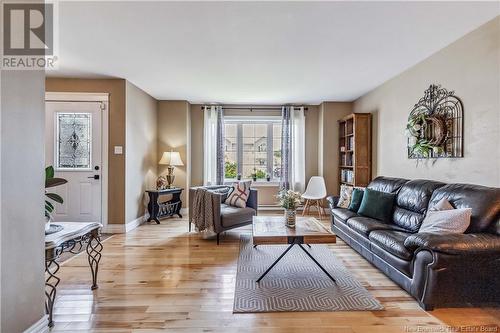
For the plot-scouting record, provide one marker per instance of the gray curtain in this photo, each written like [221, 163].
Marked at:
[285, 147]
[220, 145]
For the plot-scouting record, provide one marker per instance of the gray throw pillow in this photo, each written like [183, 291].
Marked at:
[442, 204]
[452, 221]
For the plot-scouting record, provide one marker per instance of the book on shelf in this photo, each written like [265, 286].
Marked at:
[350, 143]
[347, 176]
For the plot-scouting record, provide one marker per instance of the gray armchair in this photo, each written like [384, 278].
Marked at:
[227, 217]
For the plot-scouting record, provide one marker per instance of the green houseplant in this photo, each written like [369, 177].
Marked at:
[50, 197]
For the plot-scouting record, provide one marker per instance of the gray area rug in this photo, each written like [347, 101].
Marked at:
[296, 283]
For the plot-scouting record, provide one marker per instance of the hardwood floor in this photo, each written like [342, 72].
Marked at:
[162, 278]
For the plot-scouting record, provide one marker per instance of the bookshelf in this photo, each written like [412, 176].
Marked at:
[355, 149]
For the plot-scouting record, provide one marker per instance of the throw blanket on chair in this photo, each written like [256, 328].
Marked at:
[203, 210]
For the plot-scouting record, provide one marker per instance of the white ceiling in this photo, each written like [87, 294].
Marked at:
[258, 52]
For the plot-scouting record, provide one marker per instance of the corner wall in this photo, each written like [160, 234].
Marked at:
[141, 163]
[470, 67]
[174, 134]
[328, 142]
[22, 196]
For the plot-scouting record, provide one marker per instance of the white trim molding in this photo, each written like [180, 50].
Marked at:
[103, 98]
[124, 228]
[40, 326]
[76, 97]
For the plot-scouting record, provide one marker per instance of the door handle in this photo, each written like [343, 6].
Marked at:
[94, 177]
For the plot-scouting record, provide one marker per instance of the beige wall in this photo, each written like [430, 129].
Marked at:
[22, 194]
[116, 163]
[328, 142]
[196, 124]
[141, 164]
[174, 133]
[311, 145]
[470, 67]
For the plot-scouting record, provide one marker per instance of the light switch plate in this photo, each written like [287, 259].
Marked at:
[118, 150]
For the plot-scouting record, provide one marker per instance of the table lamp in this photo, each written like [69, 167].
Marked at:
[172, 159]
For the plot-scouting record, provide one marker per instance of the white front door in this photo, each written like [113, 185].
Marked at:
[73, 148]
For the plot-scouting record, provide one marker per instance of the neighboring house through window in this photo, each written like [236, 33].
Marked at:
[252, 145]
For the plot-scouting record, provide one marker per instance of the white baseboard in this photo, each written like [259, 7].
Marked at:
[40, 326]
[123, 228]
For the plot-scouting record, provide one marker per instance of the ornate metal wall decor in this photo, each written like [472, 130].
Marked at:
[435, 125]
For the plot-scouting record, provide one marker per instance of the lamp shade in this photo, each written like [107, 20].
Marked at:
[171, 158]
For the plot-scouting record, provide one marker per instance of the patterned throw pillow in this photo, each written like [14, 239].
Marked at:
[345, 196]
[450, 221]
[239, 195]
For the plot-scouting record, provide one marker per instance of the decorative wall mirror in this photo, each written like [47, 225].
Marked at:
[435, 125]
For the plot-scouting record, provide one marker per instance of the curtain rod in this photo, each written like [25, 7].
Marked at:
[251, 108]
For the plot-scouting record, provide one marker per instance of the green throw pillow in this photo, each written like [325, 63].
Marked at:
[377, 205]
[356, 197]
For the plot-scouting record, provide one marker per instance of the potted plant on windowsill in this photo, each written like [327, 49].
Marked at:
[289, 200]
[254, 175]
[51, 181]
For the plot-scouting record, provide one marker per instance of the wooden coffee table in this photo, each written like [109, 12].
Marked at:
[271, 230]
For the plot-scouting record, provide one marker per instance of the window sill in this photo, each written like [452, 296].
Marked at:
[259, 183]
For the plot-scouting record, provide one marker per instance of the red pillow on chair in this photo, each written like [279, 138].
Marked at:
[239, 194]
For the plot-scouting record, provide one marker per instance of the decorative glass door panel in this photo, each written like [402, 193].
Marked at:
[74, 141]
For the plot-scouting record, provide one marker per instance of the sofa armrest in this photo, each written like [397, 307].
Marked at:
[481, 243]
[332, 201]
[252, 201]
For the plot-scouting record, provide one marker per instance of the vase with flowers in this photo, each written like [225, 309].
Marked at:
[289, 200]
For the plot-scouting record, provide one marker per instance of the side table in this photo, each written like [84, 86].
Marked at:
[72, 238]
[158, 210]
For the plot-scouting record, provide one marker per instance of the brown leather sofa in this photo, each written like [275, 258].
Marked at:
[437, 270]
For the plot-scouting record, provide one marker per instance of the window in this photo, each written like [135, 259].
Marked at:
[252, 146]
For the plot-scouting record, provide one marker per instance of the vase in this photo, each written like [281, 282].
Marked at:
[290, 217]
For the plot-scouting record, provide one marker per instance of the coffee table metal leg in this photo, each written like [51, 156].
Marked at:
[274, 263]
[317, 263]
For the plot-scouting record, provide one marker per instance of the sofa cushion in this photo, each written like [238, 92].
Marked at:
[377, 205]
[386, 184]
[231, 215]
[402, 265]
[343, 213]
[484, 201]
[391, 241]
[365, 225]
[412, 202]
